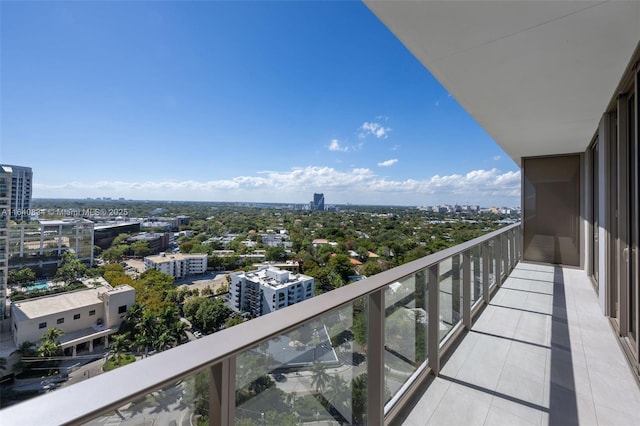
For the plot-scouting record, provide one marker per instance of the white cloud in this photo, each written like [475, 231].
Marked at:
[388, 163]
[334, 145]
[375, 129]
[497, 157]
[357, 185]
[437, 104]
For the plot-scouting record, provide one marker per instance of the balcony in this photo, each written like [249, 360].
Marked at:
[464, 336]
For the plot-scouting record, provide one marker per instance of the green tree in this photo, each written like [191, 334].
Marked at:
[231, 321]
[186, 247]
[140, 248]
[119, 240]
[211, 315]
[70, 268]
[114, 253]
[276, 254]
[119, 344]
[49, 349]
[21, 275]
[52, 335]
[50, 346]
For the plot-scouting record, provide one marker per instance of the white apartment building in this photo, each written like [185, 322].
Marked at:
[87, 317]
[268, 289]
[177, 265]
[5, 207]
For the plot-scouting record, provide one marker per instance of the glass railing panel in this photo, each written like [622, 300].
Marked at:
[183, 402]
[476, 282]
[509, 251]
[503, 256]
[450, 285]
[405, 335]
[314, 373]
[492, 263]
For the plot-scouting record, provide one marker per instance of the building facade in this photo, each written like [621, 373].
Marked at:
[40, 245]
[87, 317]
[177, 265]
[268, 289]
[318, 202]
[104, 234]
[5, 207]
[21, 189]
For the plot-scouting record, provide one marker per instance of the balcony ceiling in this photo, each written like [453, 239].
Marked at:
[536, 75]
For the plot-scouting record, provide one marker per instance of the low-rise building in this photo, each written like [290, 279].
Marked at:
[268, 289]
[87, 317]
[177, 265]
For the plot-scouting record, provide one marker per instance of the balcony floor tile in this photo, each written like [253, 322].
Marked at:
[541, 353]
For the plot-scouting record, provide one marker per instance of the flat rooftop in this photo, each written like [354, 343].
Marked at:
[262, 277]
[62, 302]
[174, 256]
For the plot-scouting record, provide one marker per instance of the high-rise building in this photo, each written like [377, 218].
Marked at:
[21, 188]
[318, 202]
[5, 206]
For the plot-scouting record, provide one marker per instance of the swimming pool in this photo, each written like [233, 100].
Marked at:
[37, 286]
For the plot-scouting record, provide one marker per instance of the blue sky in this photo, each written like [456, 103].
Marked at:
[234, 101]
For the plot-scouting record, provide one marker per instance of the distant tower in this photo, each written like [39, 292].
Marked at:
[318, 202]
[21, 186]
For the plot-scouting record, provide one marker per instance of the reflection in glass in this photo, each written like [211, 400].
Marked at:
[316, 372]
[476, 274]
[405, 330]
[450, 294]
[188, 398]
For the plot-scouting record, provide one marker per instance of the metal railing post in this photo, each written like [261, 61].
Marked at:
[222, 392]
[375, 358]
[466, 289]
[434, 318]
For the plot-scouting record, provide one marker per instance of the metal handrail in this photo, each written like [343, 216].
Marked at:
[86, 400]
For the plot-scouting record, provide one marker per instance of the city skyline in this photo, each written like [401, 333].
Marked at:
[234, 102]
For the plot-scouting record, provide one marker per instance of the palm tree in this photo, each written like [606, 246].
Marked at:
[179, 332]
[146, 331]
[119, 345]
[52, 335]
[49, 349]
[163, 341]
[26, 349]
[135, 313]
[320, 377]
